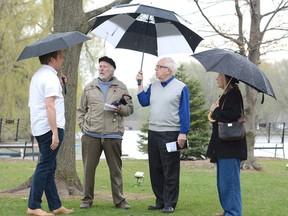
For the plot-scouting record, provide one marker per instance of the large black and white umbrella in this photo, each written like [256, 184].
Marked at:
[146, 29]
[237, 66]
[52, 43]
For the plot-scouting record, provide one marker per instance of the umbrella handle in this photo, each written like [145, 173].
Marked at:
[140, 81]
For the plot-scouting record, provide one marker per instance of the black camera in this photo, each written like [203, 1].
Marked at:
[122, 100]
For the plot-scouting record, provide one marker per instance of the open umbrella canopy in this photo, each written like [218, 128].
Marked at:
[51, 43]
[237, 66]
[146, 29]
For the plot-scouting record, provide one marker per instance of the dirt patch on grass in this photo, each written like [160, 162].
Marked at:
[104, 196]
[14, 159]
[197, 163]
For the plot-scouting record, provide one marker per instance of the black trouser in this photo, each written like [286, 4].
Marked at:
[164, 167]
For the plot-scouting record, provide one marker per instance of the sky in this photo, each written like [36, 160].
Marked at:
[129, 62]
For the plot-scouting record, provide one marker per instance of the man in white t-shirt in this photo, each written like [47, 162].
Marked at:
[47, 118]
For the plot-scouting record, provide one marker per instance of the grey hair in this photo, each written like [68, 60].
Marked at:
[171, 64]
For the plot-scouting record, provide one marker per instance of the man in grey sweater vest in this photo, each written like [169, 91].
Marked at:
[169, 121]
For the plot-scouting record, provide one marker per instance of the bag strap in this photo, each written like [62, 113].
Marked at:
[242, 104]
[224, 89]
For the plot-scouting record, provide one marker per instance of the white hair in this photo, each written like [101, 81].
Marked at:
[169, 62]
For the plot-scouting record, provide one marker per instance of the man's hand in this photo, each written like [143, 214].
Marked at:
[63, 79]
[55, 141]
[139, 78]
[181, 140]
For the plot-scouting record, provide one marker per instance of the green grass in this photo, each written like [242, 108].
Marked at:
[263, 193]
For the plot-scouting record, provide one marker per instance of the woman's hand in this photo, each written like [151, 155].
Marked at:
[214, 106]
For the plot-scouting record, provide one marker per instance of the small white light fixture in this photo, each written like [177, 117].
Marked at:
[140, 177]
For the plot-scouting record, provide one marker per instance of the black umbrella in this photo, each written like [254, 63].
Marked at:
[146, 29]
[51, 43]
[237, 66]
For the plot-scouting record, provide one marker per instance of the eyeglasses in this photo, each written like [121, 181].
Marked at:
[160, 67]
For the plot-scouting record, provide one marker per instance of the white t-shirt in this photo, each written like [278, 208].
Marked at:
[45, 83]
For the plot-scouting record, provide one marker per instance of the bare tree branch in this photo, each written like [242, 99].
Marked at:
[281, 7]
[213, 26]
[240, 28]
[91, 15]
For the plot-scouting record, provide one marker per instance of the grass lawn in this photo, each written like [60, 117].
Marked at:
[263, 193]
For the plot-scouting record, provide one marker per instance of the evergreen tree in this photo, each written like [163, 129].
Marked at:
[143, 147]
[198, 137]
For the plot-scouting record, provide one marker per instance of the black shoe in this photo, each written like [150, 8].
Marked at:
[157, 207]
[168, 209]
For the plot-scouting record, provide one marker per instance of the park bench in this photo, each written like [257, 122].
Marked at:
[15, 137]
[270, 136]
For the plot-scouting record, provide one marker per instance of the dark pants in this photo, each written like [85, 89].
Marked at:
[164, 167]
[44, 175]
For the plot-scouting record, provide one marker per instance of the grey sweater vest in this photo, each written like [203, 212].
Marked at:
[164, 106]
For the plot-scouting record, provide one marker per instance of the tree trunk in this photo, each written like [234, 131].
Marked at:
[255, 41]
[69, 16]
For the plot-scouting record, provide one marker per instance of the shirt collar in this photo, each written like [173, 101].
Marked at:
[50, 68]
[167, 81]
[105, 83]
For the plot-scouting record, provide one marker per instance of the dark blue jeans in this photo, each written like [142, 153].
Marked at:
[228, 184]
[44, 175]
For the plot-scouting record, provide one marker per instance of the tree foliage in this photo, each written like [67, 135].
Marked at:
[143, 138]
[20, 24]
[200, 130]
[275, 110]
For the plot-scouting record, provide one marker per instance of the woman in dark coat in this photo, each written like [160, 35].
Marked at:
[227, 154]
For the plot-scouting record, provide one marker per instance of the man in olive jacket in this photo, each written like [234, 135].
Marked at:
[103, 129]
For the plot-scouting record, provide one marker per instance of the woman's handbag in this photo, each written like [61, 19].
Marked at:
[232, 131]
